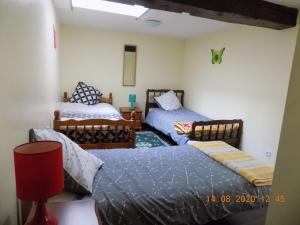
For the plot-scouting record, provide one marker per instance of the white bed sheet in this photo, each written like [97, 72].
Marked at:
[80, 111]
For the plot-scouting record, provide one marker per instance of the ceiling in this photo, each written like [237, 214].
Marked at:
[173, 24]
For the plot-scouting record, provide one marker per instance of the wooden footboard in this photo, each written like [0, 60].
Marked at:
[97, 133]
[229, 131]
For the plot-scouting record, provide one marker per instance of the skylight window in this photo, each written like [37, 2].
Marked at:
[110, 7]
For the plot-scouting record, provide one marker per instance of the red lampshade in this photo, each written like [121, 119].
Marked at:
[39, 170]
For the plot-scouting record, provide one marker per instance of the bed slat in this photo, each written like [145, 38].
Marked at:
[231, 134]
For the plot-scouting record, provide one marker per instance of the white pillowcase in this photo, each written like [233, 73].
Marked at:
[79, 164]
[168, 101]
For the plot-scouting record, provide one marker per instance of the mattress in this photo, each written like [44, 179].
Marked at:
[169, 185]
[164, 121]
[80, 111]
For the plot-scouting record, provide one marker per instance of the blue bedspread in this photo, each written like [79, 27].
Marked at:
[168, 185]
[164, 121]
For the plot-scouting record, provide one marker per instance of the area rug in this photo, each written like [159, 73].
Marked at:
[148, 139]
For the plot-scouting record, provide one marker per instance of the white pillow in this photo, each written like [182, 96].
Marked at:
[79, 164]
[168, 101]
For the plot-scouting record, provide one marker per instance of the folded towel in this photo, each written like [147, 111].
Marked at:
[252, 169]
[183, 127]
[186, 128]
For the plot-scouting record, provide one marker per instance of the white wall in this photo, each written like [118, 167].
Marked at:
[96, 57]
[250, 84]
[287, 173]
[29, 84]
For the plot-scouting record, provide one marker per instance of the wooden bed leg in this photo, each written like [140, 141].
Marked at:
[66, 99]
[110, 98]
[240, 133]
[56, 120]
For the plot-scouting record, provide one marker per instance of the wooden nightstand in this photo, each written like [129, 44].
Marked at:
[126, 113]
[80, 212]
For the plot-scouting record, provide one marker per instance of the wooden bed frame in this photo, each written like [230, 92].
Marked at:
[97, 133]
[229, 131]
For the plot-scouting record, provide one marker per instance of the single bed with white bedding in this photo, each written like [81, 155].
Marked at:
[97, 125]
[80, 111]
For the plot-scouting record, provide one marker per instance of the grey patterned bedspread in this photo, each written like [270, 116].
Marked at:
[167, 186]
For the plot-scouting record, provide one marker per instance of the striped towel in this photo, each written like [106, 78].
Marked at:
[186, 128]
[252, 169]
[183, 127]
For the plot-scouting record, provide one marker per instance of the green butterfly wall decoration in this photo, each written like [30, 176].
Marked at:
[217, 56]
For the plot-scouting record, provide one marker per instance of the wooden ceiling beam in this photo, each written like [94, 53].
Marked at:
[250, 12]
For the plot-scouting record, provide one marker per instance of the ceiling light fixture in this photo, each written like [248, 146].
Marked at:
[110, 7]
[153, 23]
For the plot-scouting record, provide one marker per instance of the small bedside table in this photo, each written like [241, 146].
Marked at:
[80, 212]
[126, 113]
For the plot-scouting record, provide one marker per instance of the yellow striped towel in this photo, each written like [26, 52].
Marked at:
[186, 128]
[255, 171]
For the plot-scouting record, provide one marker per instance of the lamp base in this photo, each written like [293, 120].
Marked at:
[41, 216]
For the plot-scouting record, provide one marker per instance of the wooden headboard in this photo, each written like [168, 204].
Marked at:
[108, 99]
[151, 93]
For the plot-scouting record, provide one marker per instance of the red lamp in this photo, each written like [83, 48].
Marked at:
[39, 175]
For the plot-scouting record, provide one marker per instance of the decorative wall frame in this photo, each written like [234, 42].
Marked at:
[129, 65]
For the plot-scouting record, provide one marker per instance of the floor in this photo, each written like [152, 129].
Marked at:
[161, 135]
[255, 217]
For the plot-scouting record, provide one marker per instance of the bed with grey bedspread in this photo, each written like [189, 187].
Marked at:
[167, 185]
